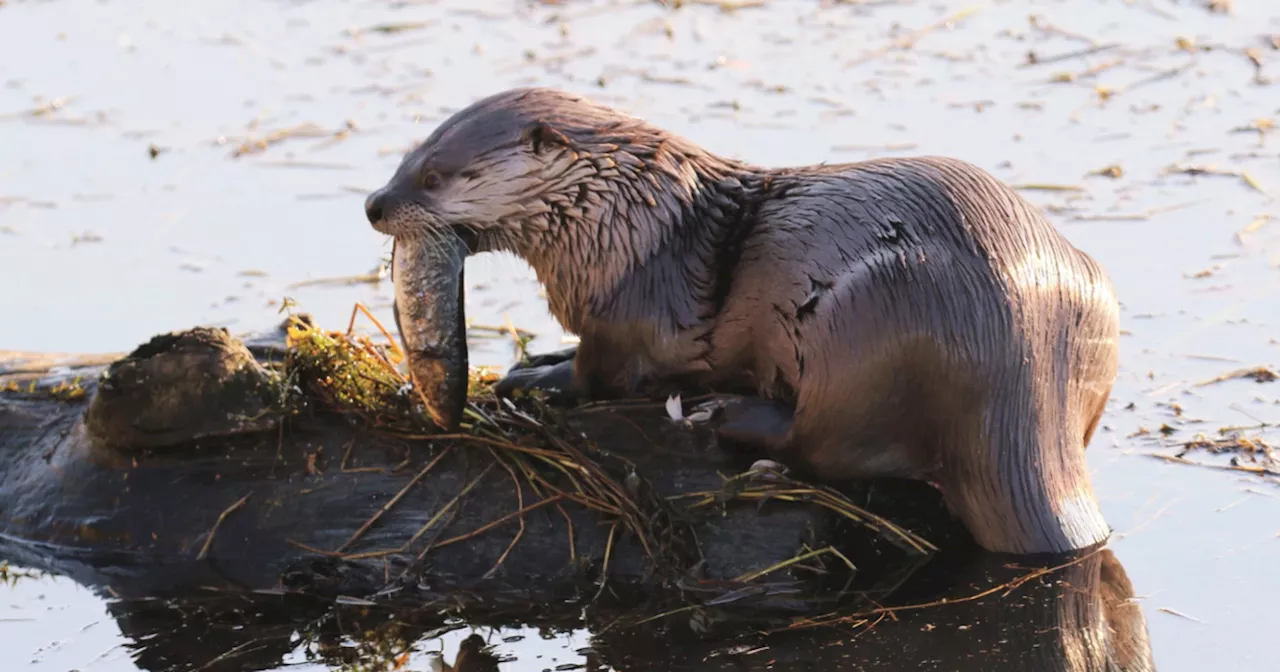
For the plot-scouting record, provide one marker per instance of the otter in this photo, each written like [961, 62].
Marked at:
[896, 317]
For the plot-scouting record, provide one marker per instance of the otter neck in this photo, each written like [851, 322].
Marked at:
[640, 231]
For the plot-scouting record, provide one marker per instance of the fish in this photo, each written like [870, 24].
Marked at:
[428, 274]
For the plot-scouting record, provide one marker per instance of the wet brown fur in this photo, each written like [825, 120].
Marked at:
[921, 318]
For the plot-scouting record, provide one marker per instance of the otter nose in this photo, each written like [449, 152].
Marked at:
[373, 206]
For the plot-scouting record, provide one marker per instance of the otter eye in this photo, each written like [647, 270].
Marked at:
[430, 180]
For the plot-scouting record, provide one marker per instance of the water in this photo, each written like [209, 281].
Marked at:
[102, 246]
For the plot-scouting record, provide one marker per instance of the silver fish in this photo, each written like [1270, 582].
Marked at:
[428, 278]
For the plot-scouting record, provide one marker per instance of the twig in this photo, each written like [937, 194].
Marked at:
[313, 549]
[237, 650]
[494, 523]
[515, 336]
[1007, 587]
[752, 576]
[910, 40]
[497, 443]
[794, 491]
[346, 453]
[1179, 614]
[1243, 176]
[573, 553]
[608, 554]
[204, 550]
[370, 278]
[501, 330]
[1079, 53]
[1248, 469]
[448, 505]
[729, 5]
[1134, 216]
[405, 546]
[1259, 374]
[351, 325]
[1047, 187]
[394, 500]
[614, 405]
[256, 145]
[519, 505]
[1040, 23]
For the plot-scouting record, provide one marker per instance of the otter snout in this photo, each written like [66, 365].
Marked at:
[374, 205]
[391, 214]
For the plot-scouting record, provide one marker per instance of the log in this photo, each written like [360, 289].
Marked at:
[170, 463]
[166, 480]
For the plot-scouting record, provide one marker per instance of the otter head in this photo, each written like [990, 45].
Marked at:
[485, 173]
[584, 193]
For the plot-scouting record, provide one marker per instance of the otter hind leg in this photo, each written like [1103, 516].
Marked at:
[556, 380]
[756, 424]
[991, 404]
[546, 358]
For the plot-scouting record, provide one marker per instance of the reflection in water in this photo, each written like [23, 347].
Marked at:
[472, 657]
[1080, 617]
[1067, 616]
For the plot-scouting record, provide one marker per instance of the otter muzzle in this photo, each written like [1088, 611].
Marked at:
[429, 312]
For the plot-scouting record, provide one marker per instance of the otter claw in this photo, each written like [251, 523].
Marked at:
[556, 380]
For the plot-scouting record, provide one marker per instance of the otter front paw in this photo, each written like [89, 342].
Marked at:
[546, 359]
[556, 380]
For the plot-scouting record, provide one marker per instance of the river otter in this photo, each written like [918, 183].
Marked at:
[904, 317]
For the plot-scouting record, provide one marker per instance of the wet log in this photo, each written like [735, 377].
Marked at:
[164, 480]
[165, 469]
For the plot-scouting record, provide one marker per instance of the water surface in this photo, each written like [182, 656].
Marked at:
[125, 210]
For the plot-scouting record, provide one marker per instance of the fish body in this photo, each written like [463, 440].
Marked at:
[429, 314]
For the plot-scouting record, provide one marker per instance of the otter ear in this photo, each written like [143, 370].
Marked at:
[542, 134]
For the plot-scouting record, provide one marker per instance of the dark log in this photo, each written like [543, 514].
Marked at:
[139, 463]
[119, 483]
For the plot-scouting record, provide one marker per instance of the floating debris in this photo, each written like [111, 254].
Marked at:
[1258, 374]
[1113, 171]
[1179, 614]
[1034, 59]
[1243, 176]
[395, 28]
[377, 275]
[257, 145]
[910, 40]
[1048, 187]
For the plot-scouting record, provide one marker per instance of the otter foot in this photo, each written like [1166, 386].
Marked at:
[757, 425]
[546, 359]
[556, 380]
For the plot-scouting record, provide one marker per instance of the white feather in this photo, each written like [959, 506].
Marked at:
[674, 408]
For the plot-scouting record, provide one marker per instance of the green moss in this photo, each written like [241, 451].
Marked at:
[347, 374]
[351, 374]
